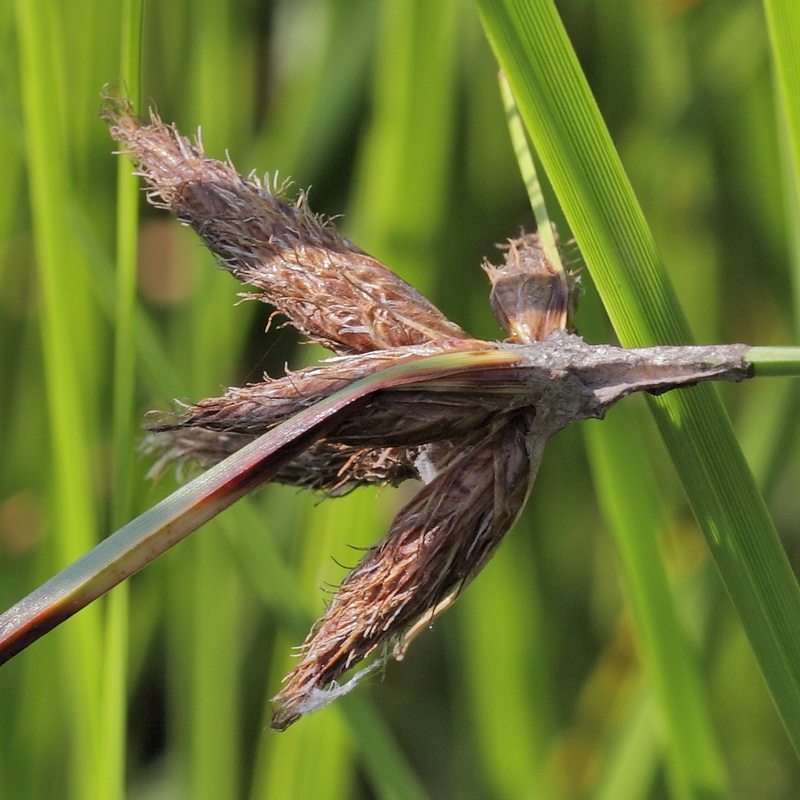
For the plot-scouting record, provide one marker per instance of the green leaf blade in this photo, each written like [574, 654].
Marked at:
[578, 155]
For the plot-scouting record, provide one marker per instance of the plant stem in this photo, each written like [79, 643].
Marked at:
[530, 177]
[774, 361]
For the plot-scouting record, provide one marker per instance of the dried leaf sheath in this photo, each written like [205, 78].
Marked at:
[327, 287]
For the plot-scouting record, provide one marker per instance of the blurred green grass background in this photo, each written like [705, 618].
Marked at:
[532, 686]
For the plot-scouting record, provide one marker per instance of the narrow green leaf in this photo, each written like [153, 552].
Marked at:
[115, 664]
[574, 146]
[783, 21]
[630, 497]
[69, 348]
[783, 25]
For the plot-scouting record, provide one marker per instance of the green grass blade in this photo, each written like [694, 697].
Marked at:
[115, 675]
[576, 151]
[204, 671]
[400, 191]
[527, 168]
[630, 775]
[783, 25]
[125, 295]
[70, 355]
[508, 657]
[783, 21]
[630, 496]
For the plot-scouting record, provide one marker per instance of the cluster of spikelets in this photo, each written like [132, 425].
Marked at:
[475, 446]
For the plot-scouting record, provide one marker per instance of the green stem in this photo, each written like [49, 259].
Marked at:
[115, 662]
[774, 361]
[527, 168]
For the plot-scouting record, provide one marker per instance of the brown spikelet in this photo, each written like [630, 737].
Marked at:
[256, 408]
[438, 542]
[328, 467]
[327, 287]
[352, 454]
[530, 296]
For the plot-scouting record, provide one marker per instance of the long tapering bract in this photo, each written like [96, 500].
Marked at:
[165, 524]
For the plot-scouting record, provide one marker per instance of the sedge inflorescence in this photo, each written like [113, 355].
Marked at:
[475, 439]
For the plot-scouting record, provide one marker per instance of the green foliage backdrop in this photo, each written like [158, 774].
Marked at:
[540, 682]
